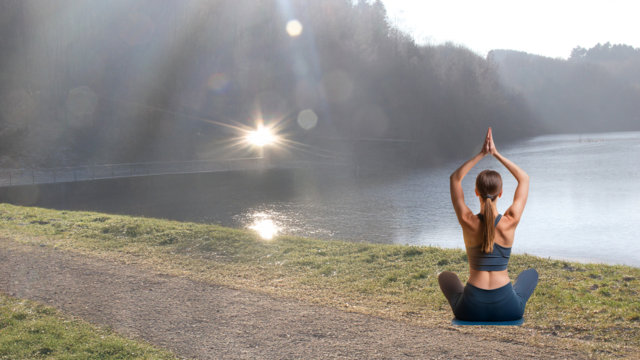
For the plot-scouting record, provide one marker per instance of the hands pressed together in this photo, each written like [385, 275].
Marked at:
[489, 148]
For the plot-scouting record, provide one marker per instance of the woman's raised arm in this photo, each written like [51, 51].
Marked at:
[522, 190]
[455, 182]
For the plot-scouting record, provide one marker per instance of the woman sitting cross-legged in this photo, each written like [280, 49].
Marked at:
[488, 237]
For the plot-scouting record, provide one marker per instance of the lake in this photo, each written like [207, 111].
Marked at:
[584, 201]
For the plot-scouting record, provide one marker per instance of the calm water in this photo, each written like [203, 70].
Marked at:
[584, 202]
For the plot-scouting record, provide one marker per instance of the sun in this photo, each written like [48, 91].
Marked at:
[262, 136]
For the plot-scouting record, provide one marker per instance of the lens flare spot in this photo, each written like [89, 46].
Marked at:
[307, 119]
[218, 82]
[261, 136]
[265, 227]
[294, 28]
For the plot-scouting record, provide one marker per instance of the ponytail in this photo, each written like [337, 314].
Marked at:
[488, 234]
[489, 187]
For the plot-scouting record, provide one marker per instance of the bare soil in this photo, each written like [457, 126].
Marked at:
[205, 321]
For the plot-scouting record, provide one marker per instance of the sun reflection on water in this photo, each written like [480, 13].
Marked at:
[276, 220]
[264, 226]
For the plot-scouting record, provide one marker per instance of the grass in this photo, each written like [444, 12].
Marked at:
[30, 330]
[591, 308]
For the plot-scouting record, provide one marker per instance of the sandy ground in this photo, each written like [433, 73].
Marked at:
[204, 321]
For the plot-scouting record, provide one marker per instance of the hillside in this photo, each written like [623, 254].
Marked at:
[595, 90]
[93, 82]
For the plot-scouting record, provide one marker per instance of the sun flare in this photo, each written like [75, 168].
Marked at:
[261, 136]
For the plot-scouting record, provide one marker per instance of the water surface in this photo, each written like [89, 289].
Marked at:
[584, 201]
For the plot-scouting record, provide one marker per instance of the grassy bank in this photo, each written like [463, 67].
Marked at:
[33, 331]
[587, 307]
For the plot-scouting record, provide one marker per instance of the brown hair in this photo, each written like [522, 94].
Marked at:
[489, 186]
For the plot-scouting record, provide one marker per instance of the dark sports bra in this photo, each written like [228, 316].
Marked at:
[497, 260]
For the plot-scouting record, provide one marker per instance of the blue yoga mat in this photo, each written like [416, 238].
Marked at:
[499, 323]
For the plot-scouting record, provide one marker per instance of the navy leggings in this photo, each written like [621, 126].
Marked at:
[505, 303]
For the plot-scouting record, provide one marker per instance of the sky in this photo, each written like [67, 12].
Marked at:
[544, 27]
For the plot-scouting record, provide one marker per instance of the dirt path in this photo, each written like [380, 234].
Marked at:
[204, 321]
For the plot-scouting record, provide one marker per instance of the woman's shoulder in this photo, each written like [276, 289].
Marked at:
[471, 222]
[508, 221]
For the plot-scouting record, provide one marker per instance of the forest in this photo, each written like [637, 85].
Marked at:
[595, 90]
[97, 82]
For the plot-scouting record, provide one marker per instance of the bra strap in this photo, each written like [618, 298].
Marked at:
[481, 217]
